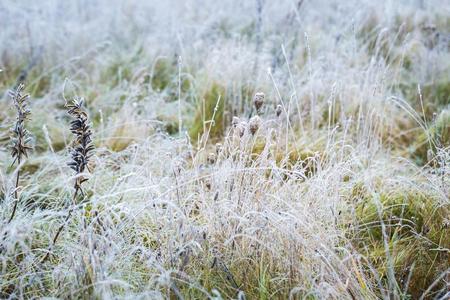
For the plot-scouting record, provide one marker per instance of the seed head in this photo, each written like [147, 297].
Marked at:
[235, 121]
[278, 110]
[240, 128]
[82, 148]
[254, 124]
[211, 159]
[219, 148]
[258, 100]
[20, 137]
[208, 184]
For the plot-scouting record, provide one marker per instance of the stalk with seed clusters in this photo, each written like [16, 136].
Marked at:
[20, 137]
[83, 147]
[81, 152]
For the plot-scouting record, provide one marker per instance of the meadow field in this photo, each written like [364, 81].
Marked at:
[236, 149]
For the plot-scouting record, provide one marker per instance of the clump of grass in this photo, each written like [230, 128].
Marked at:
[263, 214]
[163, 79]
[435, 136]
[20, 137]
[163, 74]
[436, 95]
[52, 136]
[209, 119]
[81, 153]
[414, 228]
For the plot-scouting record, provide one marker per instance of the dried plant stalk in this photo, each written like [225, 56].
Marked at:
[20, 138]
[83, 147]
[80, 152]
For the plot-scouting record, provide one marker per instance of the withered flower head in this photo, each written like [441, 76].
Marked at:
[258, 100]
[235, 121]
[278, 110]
[254, 124]
[82, 147]
[239, 130]
[211, 159]
[20, 137]
[219, 148]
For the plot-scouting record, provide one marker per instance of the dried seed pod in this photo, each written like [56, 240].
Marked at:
[208, 184]
[258, 101]
[219, 148]
[278, 110]
[254, 124]
[235, 121]
[211, 159]
[240, 129]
